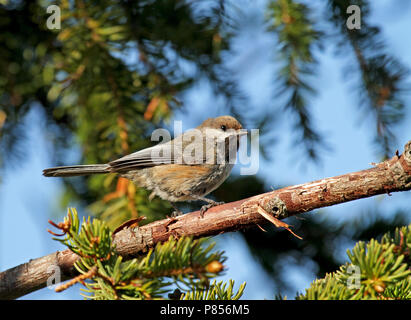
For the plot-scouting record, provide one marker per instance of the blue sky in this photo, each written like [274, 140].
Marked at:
[28, 200]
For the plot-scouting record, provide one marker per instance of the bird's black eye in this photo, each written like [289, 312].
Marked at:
[223, 127]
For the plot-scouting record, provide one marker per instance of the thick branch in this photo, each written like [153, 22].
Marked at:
[388, 176]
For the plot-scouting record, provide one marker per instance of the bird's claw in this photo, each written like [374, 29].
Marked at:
[205, 207]
[176, 213]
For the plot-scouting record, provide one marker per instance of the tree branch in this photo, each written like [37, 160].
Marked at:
[389, 176]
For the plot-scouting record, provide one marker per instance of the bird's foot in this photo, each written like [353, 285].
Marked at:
[176, 213]
[208, 206]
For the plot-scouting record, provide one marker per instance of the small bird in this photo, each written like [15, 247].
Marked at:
[170, 170]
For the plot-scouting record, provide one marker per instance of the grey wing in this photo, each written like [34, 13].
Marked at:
[166, 153]
[149, 157]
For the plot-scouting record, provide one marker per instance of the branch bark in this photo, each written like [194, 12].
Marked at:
[389, 176]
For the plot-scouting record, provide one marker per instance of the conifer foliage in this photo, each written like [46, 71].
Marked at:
[183, 263]
[376, 270]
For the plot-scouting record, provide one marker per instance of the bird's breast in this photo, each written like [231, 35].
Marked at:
[178, 182]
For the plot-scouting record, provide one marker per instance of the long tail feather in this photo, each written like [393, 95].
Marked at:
[78, 170]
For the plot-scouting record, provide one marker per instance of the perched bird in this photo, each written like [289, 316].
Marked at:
[186, 168]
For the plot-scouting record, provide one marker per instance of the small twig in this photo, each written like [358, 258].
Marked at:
[261, 228]
[64, 226]
[132, 223]
[275, 221]
[88, 275]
